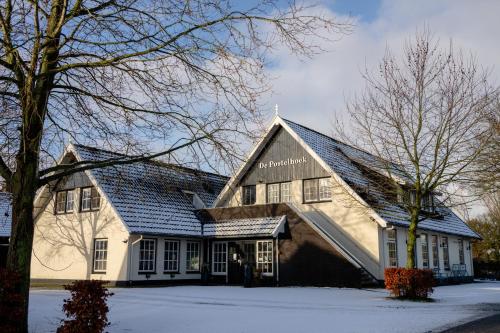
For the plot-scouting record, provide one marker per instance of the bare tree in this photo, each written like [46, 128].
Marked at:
[124, 74]
[488, 226]
[423, 117]
[487, 174]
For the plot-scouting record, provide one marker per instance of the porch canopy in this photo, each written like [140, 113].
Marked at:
[245, 227]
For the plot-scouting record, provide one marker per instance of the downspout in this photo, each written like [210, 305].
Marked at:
[131, 255]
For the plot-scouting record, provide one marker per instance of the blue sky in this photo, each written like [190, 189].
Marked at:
[314, 91]
[366, 10]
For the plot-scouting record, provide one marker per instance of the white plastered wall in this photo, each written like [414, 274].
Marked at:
[453, 248]
[63, 244]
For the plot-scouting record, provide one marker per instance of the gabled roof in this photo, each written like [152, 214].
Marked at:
[343, 159]
[5, 214]
[148, 195]
[347, 165]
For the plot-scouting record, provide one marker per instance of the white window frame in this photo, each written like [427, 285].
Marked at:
[310, 193]
[153, 260]
[90, 196]
[319, 191]
[65, 205]
[424, 243]
[167, 259]
[70, 201]
[61, 201]
[273, 193]
[100, 261]
[86, 199]
[190, 254]
[264, 255]
[461, 252]
[435, 251]
[286, 191]
[446, 252]
[219, 257]
[324, 189]
[392, 241]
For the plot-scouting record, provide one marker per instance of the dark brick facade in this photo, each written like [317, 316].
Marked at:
[305, 258]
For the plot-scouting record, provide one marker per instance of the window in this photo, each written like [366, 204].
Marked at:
[219, 258]
[318, 189]
[147, 255]
[392, 248]
[65, 201]
[265, 257]
[70, 201]
[425, 250]
[279, 192]
[325, 189]
[461, 252]
[273, 193]
[100, 255]
[435, 252]
[171, 258]
[408, 197]
[91, 199]
[446, 254]
[428, 203]
[193, 256]
[286, 192]
[249, 194]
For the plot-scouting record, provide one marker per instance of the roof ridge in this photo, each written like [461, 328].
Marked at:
[154, 161]
[330, 137]
[342, 142]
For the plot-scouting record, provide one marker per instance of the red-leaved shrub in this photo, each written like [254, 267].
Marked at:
[410, 283]
[86, 310]
[11, 302]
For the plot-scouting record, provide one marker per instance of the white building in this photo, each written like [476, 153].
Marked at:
[304, 209]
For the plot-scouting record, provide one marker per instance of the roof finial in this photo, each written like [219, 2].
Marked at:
[276, 110]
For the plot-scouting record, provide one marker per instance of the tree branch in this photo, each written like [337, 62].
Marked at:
[69, 169]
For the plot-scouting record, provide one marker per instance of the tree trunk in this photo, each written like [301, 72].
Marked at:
[412, 240]
[24, 184]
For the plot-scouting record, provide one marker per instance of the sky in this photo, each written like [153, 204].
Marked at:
[313, 91]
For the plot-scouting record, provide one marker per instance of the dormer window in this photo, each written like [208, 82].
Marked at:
[409, 198]
[90, 199]
[194, 199]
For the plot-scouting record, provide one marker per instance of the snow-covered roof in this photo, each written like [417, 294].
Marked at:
[346, 161]
[5, 214]
[148, 195]
[247, 227]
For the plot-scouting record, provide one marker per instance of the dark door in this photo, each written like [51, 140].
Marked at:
[234, 264]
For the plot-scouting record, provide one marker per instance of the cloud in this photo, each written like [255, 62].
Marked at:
[313, 91]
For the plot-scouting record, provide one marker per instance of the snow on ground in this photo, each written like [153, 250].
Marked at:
[190, 309]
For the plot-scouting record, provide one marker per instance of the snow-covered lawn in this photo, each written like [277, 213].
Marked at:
[235, 309]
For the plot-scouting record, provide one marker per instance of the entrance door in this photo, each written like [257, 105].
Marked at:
[234, 264]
